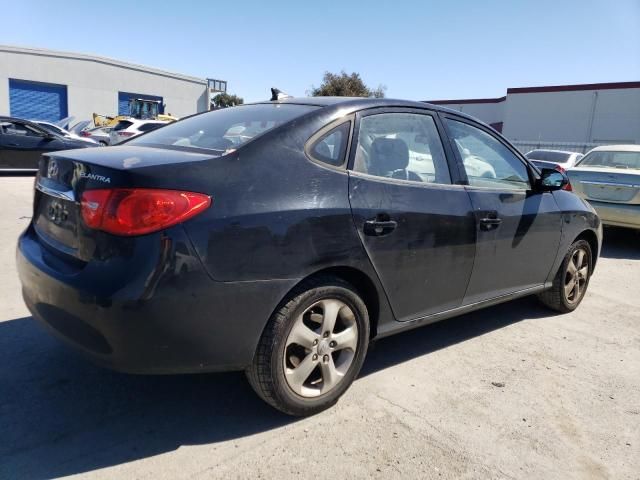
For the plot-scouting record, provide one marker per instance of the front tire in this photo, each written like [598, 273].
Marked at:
[571, 282]
[312, 348]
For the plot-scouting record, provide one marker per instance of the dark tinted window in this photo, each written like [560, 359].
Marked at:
[122, 125]
[548, 156]
[18, 129]
[331, 147]
[224, 130]
[147, 127]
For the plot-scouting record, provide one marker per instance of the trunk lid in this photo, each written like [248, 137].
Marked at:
[603, 184]
[63, 177]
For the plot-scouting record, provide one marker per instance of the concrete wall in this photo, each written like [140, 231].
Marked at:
[93, 83]
[487, 112]
[572, 114]
[602, 116]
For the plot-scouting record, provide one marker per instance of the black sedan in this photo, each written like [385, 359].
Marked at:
[280, 238]
[23, 142]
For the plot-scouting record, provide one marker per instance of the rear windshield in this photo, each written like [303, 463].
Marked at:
[147, 127]
[122, 125]
[548, 156]
[223, 130]
[611, 159]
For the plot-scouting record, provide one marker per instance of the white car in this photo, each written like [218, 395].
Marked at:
[99, 134]
[131, 127]
[608, 177]
[553, 158]
[53, 128]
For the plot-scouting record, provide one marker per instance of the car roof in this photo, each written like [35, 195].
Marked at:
[551, 150]
[617, 148]
[363, 102]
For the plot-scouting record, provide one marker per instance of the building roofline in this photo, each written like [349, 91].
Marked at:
[551, 88]
[96, 59]
[575, 88]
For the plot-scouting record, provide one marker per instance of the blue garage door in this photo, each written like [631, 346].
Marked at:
[123, 101]
[37, 101]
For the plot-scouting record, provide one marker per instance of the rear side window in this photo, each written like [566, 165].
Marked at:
[122, 125]
[221, 131]
[331, 147]
[403, 146]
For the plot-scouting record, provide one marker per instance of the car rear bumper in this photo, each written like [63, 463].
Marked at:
[185, 323]
[618, 214]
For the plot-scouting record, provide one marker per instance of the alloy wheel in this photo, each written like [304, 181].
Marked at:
[576, 277]
[320, 348]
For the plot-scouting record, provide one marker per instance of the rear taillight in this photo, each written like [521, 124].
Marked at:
[84, 133]
[126, 134]
[137, 211]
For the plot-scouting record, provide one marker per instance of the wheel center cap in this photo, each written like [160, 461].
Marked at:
[323, 347]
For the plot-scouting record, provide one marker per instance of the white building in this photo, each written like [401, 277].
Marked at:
[50, 85]
[597, 113]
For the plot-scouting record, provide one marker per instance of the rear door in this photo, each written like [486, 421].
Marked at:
[415, 223]
[22, 145]
[518, 229]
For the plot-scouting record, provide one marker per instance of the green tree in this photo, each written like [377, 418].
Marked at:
[223, 100]
[345, 85]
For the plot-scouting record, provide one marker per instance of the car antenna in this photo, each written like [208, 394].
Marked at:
[277, 94]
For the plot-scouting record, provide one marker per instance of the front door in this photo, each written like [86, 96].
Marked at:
[416, 226]
[518, 230]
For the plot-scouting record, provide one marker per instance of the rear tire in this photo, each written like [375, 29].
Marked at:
[312, 348]
[571, 282]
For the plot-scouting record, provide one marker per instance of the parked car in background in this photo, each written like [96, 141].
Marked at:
[53, 128]
[131, 127]
[552, 158]
[98, 134]
[608, 177]
[284, 250]
[23, 142]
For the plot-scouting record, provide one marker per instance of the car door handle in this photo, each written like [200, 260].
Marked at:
[489, 223]
[377, 228]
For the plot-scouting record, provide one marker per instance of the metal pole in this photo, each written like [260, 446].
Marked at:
[593, 113]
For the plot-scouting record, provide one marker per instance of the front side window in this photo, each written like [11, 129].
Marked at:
[18, 129]
[221, 131]
[332, 146]
[403, 146]
[487, 162]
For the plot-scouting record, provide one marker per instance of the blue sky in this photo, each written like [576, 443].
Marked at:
[419, 49]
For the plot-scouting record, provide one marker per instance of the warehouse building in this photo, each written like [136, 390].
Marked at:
[50, 85]
[574, 115]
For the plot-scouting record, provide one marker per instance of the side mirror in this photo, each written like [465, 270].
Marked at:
[551, 180]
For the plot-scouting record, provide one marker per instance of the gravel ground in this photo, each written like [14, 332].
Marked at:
[509, 392]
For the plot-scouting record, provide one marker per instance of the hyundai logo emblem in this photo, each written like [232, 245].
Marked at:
[52, 169]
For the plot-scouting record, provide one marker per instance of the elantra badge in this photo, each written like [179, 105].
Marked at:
[93, 176]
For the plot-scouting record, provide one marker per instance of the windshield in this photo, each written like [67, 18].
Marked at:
[223, 130]
[607, 159]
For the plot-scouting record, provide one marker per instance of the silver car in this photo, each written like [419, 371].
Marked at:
[608, 178]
